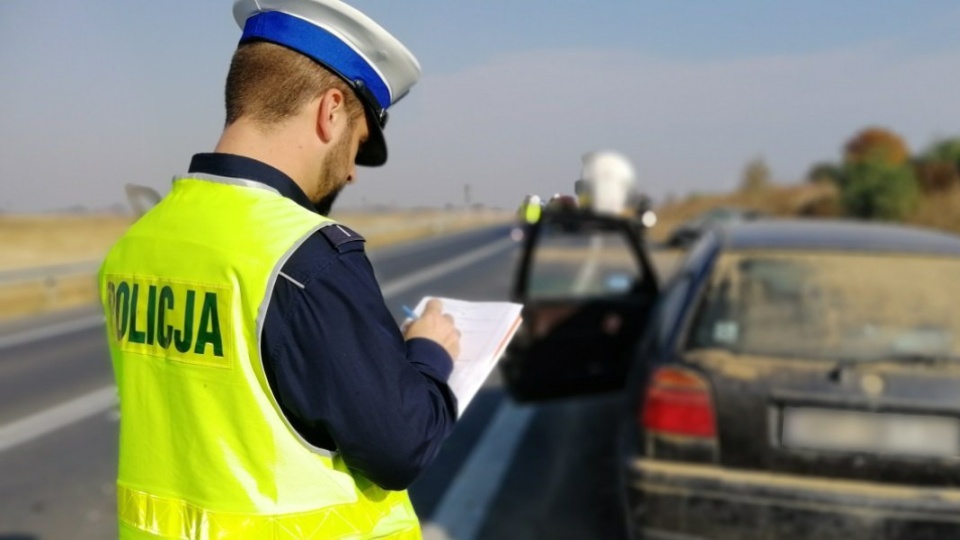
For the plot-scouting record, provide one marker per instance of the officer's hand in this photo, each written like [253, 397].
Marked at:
[434, 325]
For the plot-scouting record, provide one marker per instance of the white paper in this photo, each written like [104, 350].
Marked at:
[485, 330]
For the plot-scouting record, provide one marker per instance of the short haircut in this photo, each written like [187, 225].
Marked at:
[269, 83]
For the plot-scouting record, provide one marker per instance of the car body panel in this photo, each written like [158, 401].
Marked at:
[750, 394]
[677, 500]
[753, 393]
[687, 233]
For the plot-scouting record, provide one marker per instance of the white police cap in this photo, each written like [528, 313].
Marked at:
[375, 64]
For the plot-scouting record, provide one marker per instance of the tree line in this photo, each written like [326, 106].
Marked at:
[879, 179]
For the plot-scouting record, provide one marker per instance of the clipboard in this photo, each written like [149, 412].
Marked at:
[486, 329]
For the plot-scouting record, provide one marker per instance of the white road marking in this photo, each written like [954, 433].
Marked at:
[51, 331]
[410, 281]
[467, 500]
[46, 421]
[41, 423]
[588, 272]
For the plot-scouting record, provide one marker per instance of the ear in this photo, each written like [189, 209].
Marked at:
[330, 114]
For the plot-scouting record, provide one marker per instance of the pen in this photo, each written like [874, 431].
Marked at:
[409, 312]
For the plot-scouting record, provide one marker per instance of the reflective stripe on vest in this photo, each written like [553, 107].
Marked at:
[205, 451]
[174, 518]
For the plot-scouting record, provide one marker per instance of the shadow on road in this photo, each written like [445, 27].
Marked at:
[427, 492]
[562, 483]
[17, 536]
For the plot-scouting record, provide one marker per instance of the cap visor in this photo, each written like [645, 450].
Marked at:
[372, 153]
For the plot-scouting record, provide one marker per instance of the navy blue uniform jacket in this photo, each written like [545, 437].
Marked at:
[334, 357]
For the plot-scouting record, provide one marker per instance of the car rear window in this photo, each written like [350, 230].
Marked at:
[571, 262]
[831, 305]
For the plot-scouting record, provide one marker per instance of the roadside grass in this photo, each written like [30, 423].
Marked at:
[389, 228]
[29, 241]
[939, 210]
[777, 200]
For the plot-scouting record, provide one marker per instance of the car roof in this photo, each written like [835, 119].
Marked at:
[837, 235]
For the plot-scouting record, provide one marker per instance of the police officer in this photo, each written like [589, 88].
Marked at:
[530, 210]
[607, 180]
[265, 390]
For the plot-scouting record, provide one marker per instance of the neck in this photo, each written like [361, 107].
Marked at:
[279, 149]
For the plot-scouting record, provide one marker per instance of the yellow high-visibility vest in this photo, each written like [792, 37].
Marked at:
[530, 212]
[533, 213]
[205, 451]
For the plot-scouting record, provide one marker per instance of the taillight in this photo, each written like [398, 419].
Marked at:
[678, 402]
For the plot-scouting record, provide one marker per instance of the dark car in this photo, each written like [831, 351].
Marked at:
[689, 232]
[792, 380]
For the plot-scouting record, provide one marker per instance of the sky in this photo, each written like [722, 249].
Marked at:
[98, 94]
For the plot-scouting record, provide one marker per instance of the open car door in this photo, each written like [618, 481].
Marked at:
[587, 285]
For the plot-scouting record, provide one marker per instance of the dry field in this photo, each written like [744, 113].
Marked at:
[939, 210]
[387, 228]
[43, 240]
[36, 241]
[790, 200]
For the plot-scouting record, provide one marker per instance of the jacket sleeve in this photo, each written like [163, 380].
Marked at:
[343, 374]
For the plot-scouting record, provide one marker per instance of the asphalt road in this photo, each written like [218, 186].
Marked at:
[543, 471]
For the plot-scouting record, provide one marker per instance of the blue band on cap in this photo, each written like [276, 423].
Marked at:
[317, 43]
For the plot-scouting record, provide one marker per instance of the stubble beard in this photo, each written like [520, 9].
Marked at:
[333, 176]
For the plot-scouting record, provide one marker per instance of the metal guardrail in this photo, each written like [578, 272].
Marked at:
[33, 290]
[47, 273]
[51, 273]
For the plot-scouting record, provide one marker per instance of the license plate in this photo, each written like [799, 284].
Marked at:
[850, 431]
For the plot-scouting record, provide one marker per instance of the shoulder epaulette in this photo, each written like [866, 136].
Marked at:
[339, 235]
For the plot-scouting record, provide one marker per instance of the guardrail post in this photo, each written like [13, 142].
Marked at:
[50, 287]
